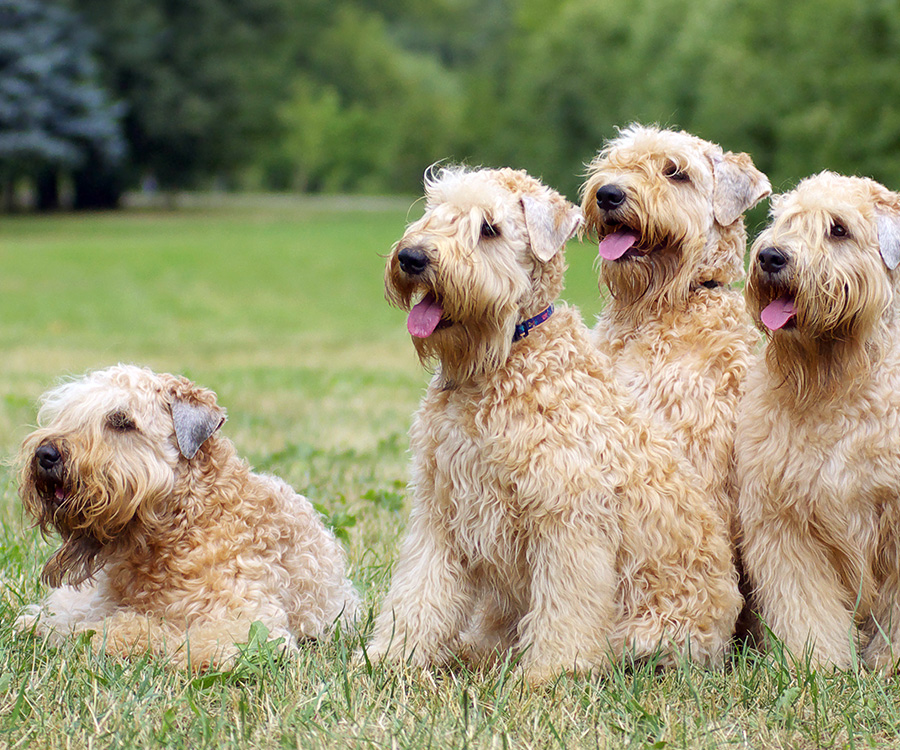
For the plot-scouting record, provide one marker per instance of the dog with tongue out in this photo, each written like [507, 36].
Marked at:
[549, 518]
[817, 445]
[667, 208]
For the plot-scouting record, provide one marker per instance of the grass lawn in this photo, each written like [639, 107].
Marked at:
[278, 307]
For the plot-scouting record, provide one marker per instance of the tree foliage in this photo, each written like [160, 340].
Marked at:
[368, 112]
[54, 114]
[538, 84]
[363, 95]
[802, 86]
[202, 79]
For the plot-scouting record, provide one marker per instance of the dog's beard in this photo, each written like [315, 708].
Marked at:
[833, 340]
[651, 280]
[79, 558]
[812, 371]
[82, 554]
[466, 350]
[93, 512]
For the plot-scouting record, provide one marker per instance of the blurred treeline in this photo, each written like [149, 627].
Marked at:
[98, 96]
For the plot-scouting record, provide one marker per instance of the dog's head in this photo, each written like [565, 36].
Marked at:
[667, 208]
[822, 275]
[824, 267]
[107, 454]
[486, 255]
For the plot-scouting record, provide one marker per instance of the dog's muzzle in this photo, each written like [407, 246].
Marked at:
[610, 197]
[413, 261]
[781, 310]
[771, 260]
[49, 473]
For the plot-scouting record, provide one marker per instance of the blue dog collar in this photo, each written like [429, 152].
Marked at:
[523, 329]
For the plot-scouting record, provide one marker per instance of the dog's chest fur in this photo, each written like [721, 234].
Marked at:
[832, 470]
[490, 449]
[687, 368]
[684, 361]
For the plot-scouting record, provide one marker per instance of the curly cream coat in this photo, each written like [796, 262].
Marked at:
[165, 551]
[548, 516]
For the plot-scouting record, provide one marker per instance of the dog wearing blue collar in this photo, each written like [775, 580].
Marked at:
[548, 519]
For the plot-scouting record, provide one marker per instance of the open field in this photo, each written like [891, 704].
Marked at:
[278, 307]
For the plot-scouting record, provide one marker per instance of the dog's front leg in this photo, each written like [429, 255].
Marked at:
[798, 592]
[883, 652]
[573, 586]
[431, 597]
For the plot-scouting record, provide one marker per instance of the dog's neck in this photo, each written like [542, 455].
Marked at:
[631, 314]
[525, 327]
[484, 357]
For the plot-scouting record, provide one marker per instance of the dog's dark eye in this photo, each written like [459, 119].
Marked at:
[120, 422]
[674, 173]
[838, 230]
[489, 230]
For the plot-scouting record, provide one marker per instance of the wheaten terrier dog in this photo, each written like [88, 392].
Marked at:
[667, 207]
[818, 439]
[170, 542]
[547, 516]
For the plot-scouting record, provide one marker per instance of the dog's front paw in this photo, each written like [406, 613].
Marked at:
[541, 673]
[883, 660]
[30, 619]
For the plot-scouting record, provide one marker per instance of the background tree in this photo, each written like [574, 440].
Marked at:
[363, 95]
[202, 79]
[367, 115]
[54, 115]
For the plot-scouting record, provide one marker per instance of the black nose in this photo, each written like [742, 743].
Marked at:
[412, 260]
[610, 197]
[48, 457]
[771, 259]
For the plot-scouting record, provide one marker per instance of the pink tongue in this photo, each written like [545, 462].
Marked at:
[424, 317]
[778, 312]
[615, 245]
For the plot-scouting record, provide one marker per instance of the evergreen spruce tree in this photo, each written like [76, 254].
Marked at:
[54, 115]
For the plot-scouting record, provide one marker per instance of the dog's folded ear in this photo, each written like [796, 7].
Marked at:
[194, 425]
[739, 186]
[888, 225]
[550, 224]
